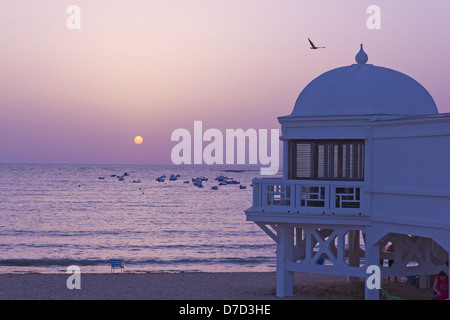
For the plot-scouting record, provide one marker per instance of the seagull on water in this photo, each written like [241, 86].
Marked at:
[313, 46]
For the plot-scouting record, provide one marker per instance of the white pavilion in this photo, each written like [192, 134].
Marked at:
[366, 165]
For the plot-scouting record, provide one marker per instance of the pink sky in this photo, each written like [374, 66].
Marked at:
[144, 67]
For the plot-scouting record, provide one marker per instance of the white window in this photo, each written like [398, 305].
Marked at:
[327, 160]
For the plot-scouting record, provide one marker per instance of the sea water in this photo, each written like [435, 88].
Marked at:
[56, 215]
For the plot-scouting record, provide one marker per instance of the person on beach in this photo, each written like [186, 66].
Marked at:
[440, 286]
[391, 262]
[390, 248]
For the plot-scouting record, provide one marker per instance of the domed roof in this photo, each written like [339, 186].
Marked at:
[363, 89]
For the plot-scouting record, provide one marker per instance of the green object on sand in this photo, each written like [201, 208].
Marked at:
[388, 296]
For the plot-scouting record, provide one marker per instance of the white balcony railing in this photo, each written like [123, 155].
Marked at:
[308, 197]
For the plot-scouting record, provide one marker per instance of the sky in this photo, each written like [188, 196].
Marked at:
[149, 67]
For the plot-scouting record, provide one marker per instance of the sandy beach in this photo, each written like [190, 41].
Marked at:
[191, 286]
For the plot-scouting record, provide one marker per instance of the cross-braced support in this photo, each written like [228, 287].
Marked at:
[348, 250]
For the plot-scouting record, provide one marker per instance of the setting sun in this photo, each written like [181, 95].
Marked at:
[138, 140]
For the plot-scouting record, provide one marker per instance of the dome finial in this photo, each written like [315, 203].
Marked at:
[361, 56]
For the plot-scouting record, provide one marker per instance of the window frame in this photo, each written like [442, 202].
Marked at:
[344, 173]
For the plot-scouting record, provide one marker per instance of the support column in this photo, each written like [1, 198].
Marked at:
[285, 252]
[353, 251]
[299, 247]
[372, 258]
[424, 281]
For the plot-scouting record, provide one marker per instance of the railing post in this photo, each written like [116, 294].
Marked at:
[257, 194]
[331, 195]
[294, 196]
[263, 194]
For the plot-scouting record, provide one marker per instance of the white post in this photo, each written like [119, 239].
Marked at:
[299, 247]
[285, 251]
[372, 258]
[353, 252]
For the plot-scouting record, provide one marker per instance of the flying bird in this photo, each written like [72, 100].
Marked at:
[313, 46]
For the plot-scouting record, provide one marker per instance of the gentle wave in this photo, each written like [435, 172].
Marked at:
[49, 262]
[99, 262]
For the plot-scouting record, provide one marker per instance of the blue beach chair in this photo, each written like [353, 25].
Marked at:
[116, 264]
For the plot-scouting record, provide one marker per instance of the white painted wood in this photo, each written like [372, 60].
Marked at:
[405, 195]
[285, 252]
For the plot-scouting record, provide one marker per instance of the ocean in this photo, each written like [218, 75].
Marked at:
[56, 215]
